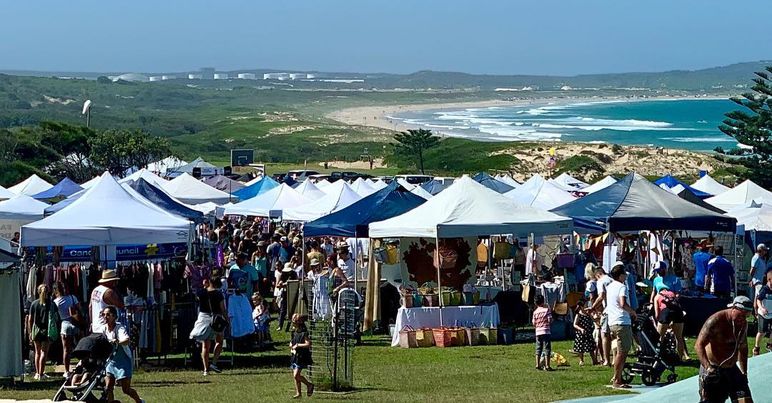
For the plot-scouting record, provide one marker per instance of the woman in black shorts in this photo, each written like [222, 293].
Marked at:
[670, 316]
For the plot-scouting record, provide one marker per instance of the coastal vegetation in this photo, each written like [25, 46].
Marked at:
[414, 143]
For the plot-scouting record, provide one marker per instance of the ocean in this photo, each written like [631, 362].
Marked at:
[686, 124]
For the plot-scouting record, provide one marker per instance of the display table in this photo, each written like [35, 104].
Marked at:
[481, 316]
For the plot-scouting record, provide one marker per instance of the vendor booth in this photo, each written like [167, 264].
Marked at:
[255, 187]
[539, 193]
[64, 188]
[30, 186]
[11, 314]
[438, 242]
[190, 190]
[268, 204]
[339, 195]
[18, 211]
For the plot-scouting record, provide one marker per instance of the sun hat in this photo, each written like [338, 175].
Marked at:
[288, 267]
[742, 302]
[341, 245]
[108, 276]
[314, 262]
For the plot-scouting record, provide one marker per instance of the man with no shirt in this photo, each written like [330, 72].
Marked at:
[722, 348]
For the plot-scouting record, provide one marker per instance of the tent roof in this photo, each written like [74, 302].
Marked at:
[671, 182]
[31, 186]
[90, 182]
[160, 198]
[265, 184]
[309, 190]
[323, 183]
[709, 185]
[491, 183]
[362, 187]
[353, 220]
[633, 204]
[192, 191]
[377, 185]
[145, 174]
[508, 180]
[107, 214]
[22, 207]
[757, 217]
[268, 204]
[468, 208]
[567, 181]
[66, 187]
[539, 193]
[224, 183]
[434, 186]
[687, 195]
[5, 193]
[196, 163]
[339, 196]
[741, 194]
[601, 184]
[166, 164]
[421, 192]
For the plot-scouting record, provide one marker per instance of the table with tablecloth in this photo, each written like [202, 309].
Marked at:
[480, 316]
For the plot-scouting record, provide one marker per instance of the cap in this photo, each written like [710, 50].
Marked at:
[741, 302]
[260, 244]
[761, 246]
[618, 263]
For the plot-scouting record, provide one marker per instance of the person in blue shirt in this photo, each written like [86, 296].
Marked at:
[700, 259]
[720, 277]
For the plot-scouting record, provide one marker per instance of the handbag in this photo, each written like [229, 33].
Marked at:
[392, 254]
[502, 250]
[219, 323]
[53, 322]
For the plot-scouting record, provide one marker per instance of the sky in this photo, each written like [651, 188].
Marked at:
[549, 37]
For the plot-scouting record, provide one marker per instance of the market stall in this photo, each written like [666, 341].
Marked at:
[441, 235]
[190, 190]
[268, 204]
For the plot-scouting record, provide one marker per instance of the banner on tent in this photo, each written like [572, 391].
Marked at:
[122, 253]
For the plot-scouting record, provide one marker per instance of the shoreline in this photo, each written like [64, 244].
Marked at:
[380, 116]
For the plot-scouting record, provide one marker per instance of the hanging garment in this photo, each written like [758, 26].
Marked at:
[321, 297]
[240, 314]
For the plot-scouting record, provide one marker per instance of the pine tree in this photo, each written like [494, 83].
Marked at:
[415, 142]
[752, 127]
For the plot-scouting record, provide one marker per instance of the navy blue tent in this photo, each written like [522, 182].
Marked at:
[634, 204]
[164, 201]
[353, 221]
[672, 182]
[492, 183]
[434, 186]
[64, 188]
[259, 187]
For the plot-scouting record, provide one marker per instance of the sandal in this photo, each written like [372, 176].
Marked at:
[620, 386]
[756, 351]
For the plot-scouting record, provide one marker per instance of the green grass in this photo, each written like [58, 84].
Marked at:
[381, 373]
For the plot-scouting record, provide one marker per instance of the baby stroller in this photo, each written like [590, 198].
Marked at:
[86, 382]
[653, 359]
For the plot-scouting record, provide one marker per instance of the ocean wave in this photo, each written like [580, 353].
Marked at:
[719, 139]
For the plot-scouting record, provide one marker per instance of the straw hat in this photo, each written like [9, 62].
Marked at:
[288, 267]
[341, 245]
[314, 262]
[108, 276]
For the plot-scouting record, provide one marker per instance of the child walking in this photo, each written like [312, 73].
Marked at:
[584, 326]
[300, 345]
[542, 320]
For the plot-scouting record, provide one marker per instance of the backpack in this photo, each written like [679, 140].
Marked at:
[671, 300]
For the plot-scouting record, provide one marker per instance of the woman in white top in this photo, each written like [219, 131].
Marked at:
[119, 365]
[69, 313]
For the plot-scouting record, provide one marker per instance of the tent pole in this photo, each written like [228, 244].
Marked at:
[439, 278]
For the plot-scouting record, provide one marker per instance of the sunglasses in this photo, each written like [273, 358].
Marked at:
[104, 314]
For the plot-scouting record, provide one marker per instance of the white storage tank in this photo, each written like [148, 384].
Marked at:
[246, 76]
[220, 76]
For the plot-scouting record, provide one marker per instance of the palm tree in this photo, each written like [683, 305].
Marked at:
[414, 142]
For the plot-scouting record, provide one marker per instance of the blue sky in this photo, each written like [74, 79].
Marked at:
[400, 36]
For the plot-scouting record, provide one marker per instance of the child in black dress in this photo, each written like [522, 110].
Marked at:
[583, 340]
[300, 345]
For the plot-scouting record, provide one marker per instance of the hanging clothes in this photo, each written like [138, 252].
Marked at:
[240, 314]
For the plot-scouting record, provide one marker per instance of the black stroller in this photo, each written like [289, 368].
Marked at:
[87, 381]
[653, 359]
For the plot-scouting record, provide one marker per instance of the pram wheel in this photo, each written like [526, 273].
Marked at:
[627, 376]
[672, 378]
[649, 379]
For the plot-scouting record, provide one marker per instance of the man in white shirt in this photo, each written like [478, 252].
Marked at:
[758, 268]
[620, 317]
[602, 281]
[345, 262]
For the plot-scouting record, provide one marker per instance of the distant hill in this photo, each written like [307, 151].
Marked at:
[726, 78]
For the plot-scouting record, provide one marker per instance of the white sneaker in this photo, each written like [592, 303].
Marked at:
[205, 373]
[36, 377]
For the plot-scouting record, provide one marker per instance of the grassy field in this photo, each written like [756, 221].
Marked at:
[381, 373]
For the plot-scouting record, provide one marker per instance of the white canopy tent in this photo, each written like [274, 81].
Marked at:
[568, 182]
[166, 164]
[740, 195]
[30, 186]
[600, 185]
[709, 185]
[405, 184]
[88, 184]
[6, 194]
[309, 190]
[362, 187]
[539, 193]
[339, 195]
[467, 208]
[377, 185]
[255, 180]
[323, 184]
[268, 204]
[17, 211]
[190, 190]
[756, 217]
[147, 175]
[508, 180]
[419, 191]
[107, 215]
[206, 168]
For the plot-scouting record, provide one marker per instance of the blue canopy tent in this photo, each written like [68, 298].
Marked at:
[434, 186]
[634, 203]
[353, 221]
[259, 187]
[65, 188]
[163, 200]
[671, 182]
[492, 183]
